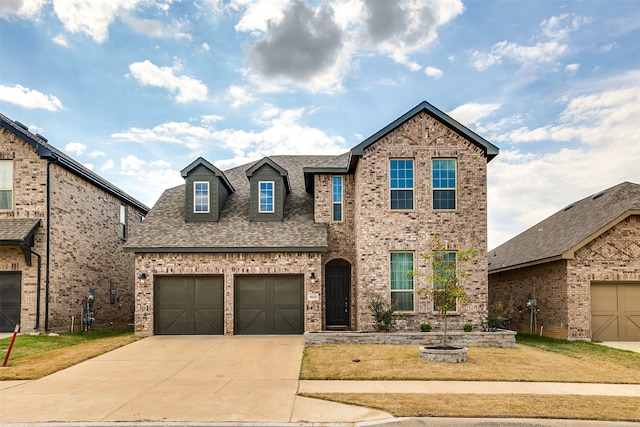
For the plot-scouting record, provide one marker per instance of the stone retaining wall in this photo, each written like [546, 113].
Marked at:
[501, 339]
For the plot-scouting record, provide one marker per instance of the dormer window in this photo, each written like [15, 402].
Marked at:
[266, 204]
[201, 197]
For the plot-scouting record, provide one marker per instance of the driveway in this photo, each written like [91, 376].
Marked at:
[179, 378]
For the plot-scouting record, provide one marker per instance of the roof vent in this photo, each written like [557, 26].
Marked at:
[42, 137]
[595, 196]
[21, 125]
[568, 207]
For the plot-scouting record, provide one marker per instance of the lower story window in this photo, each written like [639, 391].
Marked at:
[401, 283]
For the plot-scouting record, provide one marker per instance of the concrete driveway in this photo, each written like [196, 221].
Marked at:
[179, 378]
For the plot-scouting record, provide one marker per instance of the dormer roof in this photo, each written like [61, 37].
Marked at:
[217, 172]
[267, 161]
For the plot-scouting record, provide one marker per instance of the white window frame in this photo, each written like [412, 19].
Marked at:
[413, 289]
[195, 197]
[273, 196]
[334, 203]
[122, 226]
[7, 173]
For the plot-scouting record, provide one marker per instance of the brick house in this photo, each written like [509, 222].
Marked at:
[62, 231]
[290, 244]
[581, 266]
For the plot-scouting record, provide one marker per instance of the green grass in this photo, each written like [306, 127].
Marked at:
[581, 349]
[28, 345]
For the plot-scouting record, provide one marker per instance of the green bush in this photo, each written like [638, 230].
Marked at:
[382, 313]
[467, 327]
[425, 327]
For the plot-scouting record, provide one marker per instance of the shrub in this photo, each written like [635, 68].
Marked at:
[382, 313]
[425, 327]
[468, 327]
[499, 316]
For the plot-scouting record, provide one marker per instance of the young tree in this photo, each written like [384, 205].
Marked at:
[447, 273]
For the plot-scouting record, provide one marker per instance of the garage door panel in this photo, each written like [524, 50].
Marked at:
[269, 305]
[189, 305]
[615, 311]
[10, 300]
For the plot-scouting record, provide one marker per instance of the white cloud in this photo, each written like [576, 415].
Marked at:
[91, 17]
[572, 68]
[154, 28]
[210, 118]
[89, 166]
[76, 148]
[559, 27]
[95, 154]
[433, 72]
[23, 9]
[108, 165]
[468, 114]
[179, 133]
[525, 188]
[187, 88]
[61, 40]
[29, 98]
[239, 96]
[151, 177]
[205, 47]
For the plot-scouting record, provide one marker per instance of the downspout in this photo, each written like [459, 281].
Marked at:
[47, 276]
[38, 289]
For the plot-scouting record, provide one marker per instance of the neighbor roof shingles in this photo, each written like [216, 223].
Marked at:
[566, 230]
[165, 229]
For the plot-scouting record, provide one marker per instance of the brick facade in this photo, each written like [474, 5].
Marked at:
[86, 251]
[371, 230]
[563, 288]
[229, 265]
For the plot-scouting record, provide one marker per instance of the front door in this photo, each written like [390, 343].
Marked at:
[337, 288]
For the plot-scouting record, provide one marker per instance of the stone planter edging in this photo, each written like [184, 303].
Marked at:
[454, 355]
[501, 338]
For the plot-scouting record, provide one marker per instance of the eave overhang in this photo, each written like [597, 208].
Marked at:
[310, 172]
[220, 249]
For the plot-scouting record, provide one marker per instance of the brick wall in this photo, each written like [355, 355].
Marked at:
[228, 265]
[85, 248]
[563, 288]
[547, 283]
[380, 230]
[87, 252]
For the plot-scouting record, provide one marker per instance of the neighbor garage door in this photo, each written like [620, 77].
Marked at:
[189, 305]
[615, 311]
[10, 290]
[269, 305]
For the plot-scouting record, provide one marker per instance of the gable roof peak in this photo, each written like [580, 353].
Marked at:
[201, 161]
[267, 161]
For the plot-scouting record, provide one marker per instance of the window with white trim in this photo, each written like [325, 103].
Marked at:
[337, 198]
[266, 199]
[443, 265]
[401, 183]
[444, 183]
[401, 282]
[201, 197]
[6, 184]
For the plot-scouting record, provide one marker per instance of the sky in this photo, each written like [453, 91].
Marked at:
[138, 89]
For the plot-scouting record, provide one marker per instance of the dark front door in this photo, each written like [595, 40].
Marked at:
[10, 291]
[270, 304]
[338, 285]
[189, 305]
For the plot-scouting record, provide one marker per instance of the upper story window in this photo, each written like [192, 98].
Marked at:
[266, 204]
[401, 283]
[6, 184]
[444, 183]
[443, 266]
[201, 197]
[401, 183]
[122, 228]
[337, 198]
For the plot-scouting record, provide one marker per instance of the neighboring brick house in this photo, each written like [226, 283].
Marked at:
[291, 244]
[581, 266]
[62, 229]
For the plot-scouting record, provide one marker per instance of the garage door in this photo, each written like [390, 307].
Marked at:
[10, 290]
[615, 311]
[189, 305]
[269, 305]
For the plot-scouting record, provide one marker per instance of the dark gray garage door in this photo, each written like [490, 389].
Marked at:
[189, 305]
[10, 290]
[269, 305]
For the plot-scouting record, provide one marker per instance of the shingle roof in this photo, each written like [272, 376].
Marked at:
[165, 229]
[16, 231]
[561, 234]
[47, 151]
